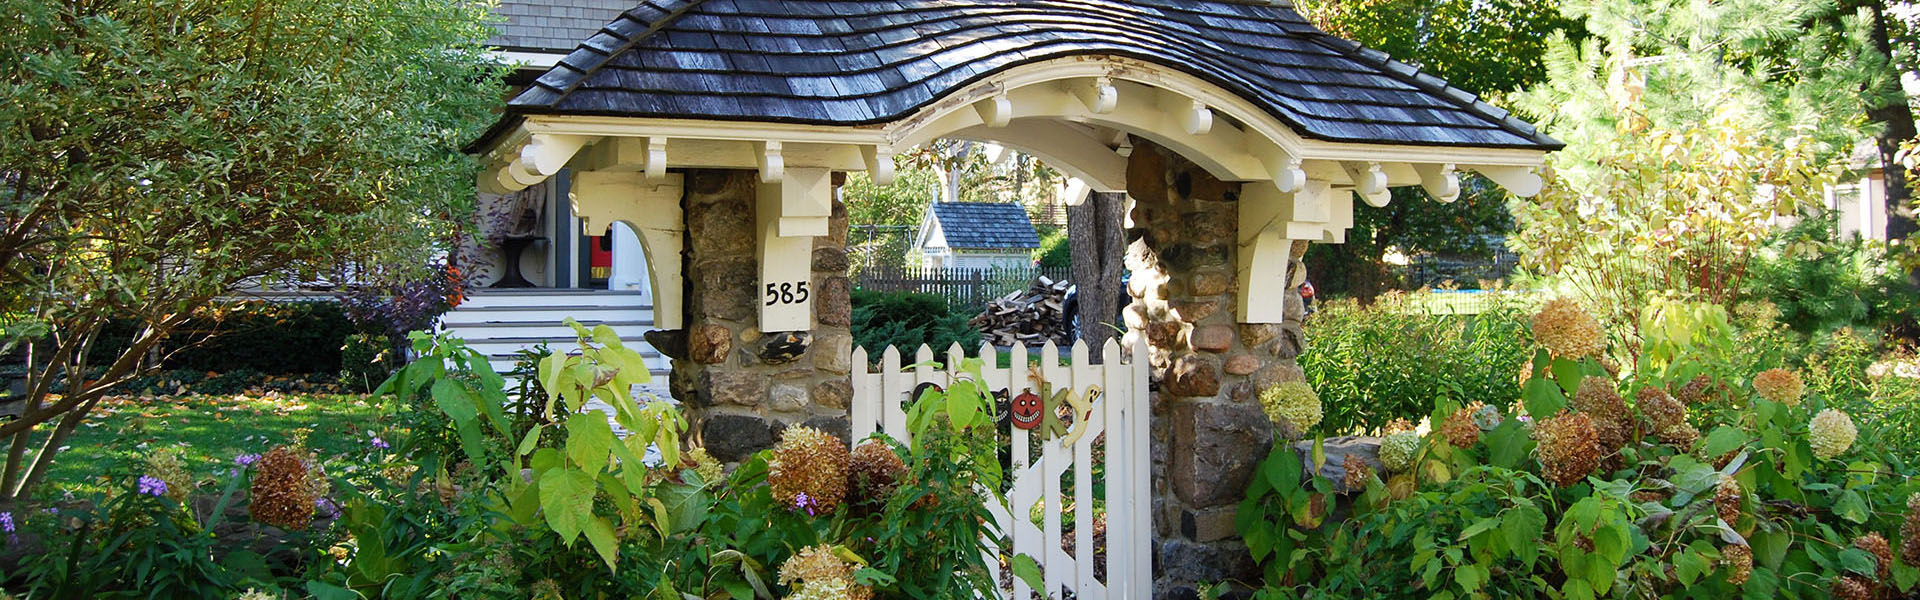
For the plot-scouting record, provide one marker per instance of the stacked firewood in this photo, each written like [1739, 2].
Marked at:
[1029, 317]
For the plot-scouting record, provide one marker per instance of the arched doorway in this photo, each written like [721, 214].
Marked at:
[1239, 132]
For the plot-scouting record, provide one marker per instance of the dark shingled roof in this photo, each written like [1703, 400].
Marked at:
[985, 225]
[553, 26]
[854, 62]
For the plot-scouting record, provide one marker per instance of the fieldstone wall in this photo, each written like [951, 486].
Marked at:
[742, 386]
[1208, 429]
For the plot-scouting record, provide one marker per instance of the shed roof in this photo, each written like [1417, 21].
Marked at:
[555, 26]
[985, 225]
[856, 62]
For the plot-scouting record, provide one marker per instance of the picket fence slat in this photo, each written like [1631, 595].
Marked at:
[1115, 419]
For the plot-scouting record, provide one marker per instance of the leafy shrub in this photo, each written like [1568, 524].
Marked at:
[1392, 359]
[1054, 252]
[395, 310]
[1706, 485]
[1821, 283]
[365, 361]
[252, 335]
[908, 319]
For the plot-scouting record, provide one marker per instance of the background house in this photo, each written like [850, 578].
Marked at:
[977, 235]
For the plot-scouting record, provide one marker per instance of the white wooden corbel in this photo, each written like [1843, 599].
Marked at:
[1197, 119]
[546, 153]
[522, 174]
[1288, 171]
[996, 112]
[1524, 182]
[1099, 96]
[879, 161]
[790, 213]
[1370, 182]
[656, 158]
[1441, 181]
[773, 165]
[651, 207]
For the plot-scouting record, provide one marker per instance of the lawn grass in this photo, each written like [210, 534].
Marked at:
[209, 431]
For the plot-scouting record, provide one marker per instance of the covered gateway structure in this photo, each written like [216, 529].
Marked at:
[716, 129]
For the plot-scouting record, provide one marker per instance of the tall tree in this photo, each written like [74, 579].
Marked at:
[1491, 47]
[1689, 127]
[156, 154]
[1893, 111]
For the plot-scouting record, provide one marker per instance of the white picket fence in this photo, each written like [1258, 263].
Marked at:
[1120, 412]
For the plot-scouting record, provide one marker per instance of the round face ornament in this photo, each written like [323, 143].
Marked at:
[1026, 410]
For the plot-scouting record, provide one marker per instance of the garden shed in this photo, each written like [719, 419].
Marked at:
[976, 235]
[720, 130]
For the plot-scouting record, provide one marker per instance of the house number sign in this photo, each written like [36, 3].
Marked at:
[787, 292]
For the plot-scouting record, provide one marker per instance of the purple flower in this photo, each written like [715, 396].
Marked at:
[6, 522]
[152, 486]
[378, 443]
[804, 502]
[246, 460]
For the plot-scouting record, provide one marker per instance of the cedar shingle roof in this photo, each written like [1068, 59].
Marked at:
[552, 25]
[853, 62]
[985, 226]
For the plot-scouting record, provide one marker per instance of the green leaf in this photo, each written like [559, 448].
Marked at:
[1028, 571]
[1508, 444]
[527, 442]
[963, 404]
[1761, 585]
[589, 440]
[1543, 398]
[327, 591]
[1860, 562]
[1568, 374]
[566, 499]
[1724, 439]
[600, 534]
[1851, 507]
[1522, 528]
[454, 400]
[1479, 527]
[1688, 566]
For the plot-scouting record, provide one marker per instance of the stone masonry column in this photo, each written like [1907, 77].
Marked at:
[741, 386]
[1208, 429]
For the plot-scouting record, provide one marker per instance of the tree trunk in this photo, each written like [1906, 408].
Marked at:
[1897, 118]
[1097, 246]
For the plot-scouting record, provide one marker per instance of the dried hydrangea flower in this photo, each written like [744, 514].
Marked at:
[1460, 428]
[1849, 587]
[1566, 331]
[811, 462]
[1569, 448]
[282, 495]
[1398, 425]
[1612, 426]
[817, 573]
[1397, 451]
[1726, 499]
[1682, 437]
[1696, 392]
[1738, 561]
[706, 466]
[1662, 411]
[1780, 385]
[254, 594]
[1910, 532]
[1831, 433]
[1293, 404]
[874, 472]
[1882, 553]
[1358, 473]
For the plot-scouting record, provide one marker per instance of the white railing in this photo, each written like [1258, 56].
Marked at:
[1120, 412]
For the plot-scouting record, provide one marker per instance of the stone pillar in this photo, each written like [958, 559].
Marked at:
[741, 385]
[1208, 429]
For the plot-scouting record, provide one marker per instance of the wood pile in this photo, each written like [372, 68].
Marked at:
[1029, 317]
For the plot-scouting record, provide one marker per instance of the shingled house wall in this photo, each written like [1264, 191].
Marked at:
[743, 385]
[1208, 429]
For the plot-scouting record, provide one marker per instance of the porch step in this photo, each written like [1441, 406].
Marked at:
[499, 323]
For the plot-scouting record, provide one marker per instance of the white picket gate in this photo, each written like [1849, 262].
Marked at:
[1120, 412]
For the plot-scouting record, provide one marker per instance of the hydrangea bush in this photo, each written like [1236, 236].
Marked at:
[1684, 474]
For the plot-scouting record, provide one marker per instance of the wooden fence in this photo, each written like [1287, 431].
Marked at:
[963, 288]
[1115, 421]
